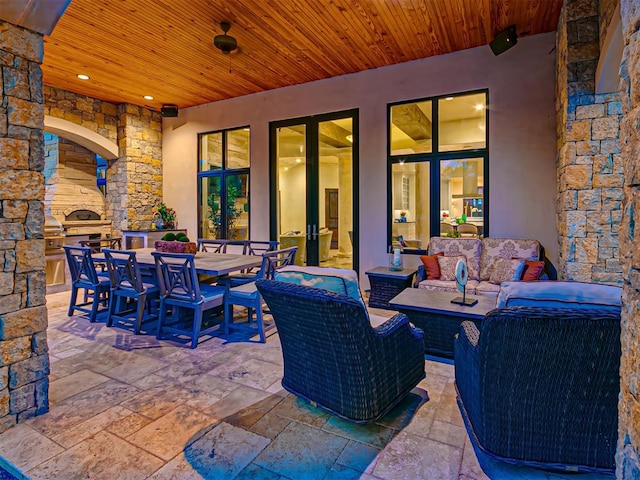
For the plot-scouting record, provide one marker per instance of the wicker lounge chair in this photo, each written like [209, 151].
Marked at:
[334, 358]
[539, 386]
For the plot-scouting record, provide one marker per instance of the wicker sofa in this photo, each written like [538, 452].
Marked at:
[480, 255]
[538, 382]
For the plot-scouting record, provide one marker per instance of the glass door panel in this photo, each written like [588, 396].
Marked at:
[237, 206]
[332, 242]
[291, 208]
[210, 216]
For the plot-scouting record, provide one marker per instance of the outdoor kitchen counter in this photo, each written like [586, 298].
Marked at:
[132, 239]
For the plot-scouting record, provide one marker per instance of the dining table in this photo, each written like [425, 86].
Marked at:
[206, 263]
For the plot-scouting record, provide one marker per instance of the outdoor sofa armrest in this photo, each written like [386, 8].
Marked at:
[420, 275]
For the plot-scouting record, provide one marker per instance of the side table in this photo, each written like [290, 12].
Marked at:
[386, 284]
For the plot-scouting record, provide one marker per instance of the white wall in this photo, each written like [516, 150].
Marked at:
[522, 145]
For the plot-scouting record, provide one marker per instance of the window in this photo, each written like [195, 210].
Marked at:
[438, 163]
[223, 190]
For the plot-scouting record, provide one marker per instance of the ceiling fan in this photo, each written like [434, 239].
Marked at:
[225, 43]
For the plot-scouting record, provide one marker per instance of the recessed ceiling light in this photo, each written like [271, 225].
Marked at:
[449, 98]
[82, 76]
[298, 160]
[148, 97]
[479, 107]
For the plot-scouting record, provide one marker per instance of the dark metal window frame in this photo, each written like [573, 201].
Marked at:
[434, 158]
[222, 174]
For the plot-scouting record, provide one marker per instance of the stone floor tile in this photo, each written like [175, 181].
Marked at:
[448, 433]
[150, 381]
[301, 411]
[277, 389]
[144, 366]
[81, 407]
[255, 472]
[357, 456]
[103, 456]
[240, 398]
[169, 435]
[222, 453]
[302, 452]
[24, 448]
[423, 419]
[270, 425]
[401, 415]
[470, 467]
[157, 401]
[340, 472]
[448, 411]
[248, 416]
[371, 434]
[128, 425]
[250, 372]
[410, 457]
[90, 427]
[77, 382]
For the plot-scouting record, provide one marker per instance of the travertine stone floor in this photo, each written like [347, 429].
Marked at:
[131, 407]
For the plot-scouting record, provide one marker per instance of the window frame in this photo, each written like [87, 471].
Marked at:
[434, 159]
[223, 173]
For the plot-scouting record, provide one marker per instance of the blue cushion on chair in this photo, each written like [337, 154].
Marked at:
[338, 280]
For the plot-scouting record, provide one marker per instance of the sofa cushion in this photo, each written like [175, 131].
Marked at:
[448, 266]
[558, 294]
[431, 265]
[505, 270]
[337, 280]
[487, 288]
[471, 248]
[493, 248]
[447, 286]
[532, 270]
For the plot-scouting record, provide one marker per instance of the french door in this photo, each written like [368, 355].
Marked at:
[314, 187]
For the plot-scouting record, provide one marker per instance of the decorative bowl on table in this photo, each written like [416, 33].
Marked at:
[172, 246]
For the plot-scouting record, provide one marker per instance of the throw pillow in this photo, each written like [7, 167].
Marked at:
[532, 269]
[431, 265]
[505, 270]
[448, 266]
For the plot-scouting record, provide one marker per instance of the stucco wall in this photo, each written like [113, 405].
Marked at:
[522, 143]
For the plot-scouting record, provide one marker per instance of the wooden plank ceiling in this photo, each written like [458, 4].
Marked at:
[164, 48]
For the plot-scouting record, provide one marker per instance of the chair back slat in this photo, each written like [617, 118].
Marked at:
[97, 245]
[177, 277]
[210, 245]
[124, 271]
[271, 261]
[81, 265]
[259, 247]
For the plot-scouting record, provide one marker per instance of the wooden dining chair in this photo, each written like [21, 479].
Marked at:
[250, 274]
[84, 276]
[180, 290]
[129, 286]
[247, 294]
[468, 230]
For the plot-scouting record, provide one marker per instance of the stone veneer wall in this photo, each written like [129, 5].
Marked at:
[590, 175]
[137, 174]
[628, 457]
[24, 359]
[134, 180]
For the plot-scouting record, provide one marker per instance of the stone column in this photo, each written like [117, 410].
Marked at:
[589, 164]
[24, 359]
[134, 181]
[628, 457]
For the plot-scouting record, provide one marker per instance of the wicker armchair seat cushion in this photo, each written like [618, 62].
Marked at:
[333, 357]
[338, 280]
[559, 294]
[539, 386]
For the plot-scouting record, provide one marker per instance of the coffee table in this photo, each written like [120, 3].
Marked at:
[433, 312]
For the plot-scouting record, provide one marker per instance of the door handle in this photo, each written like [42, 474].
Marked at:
[314, 232]
[308, 232]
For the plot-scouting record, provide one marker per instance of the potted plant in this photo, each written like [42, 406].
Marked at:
[165, 217]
